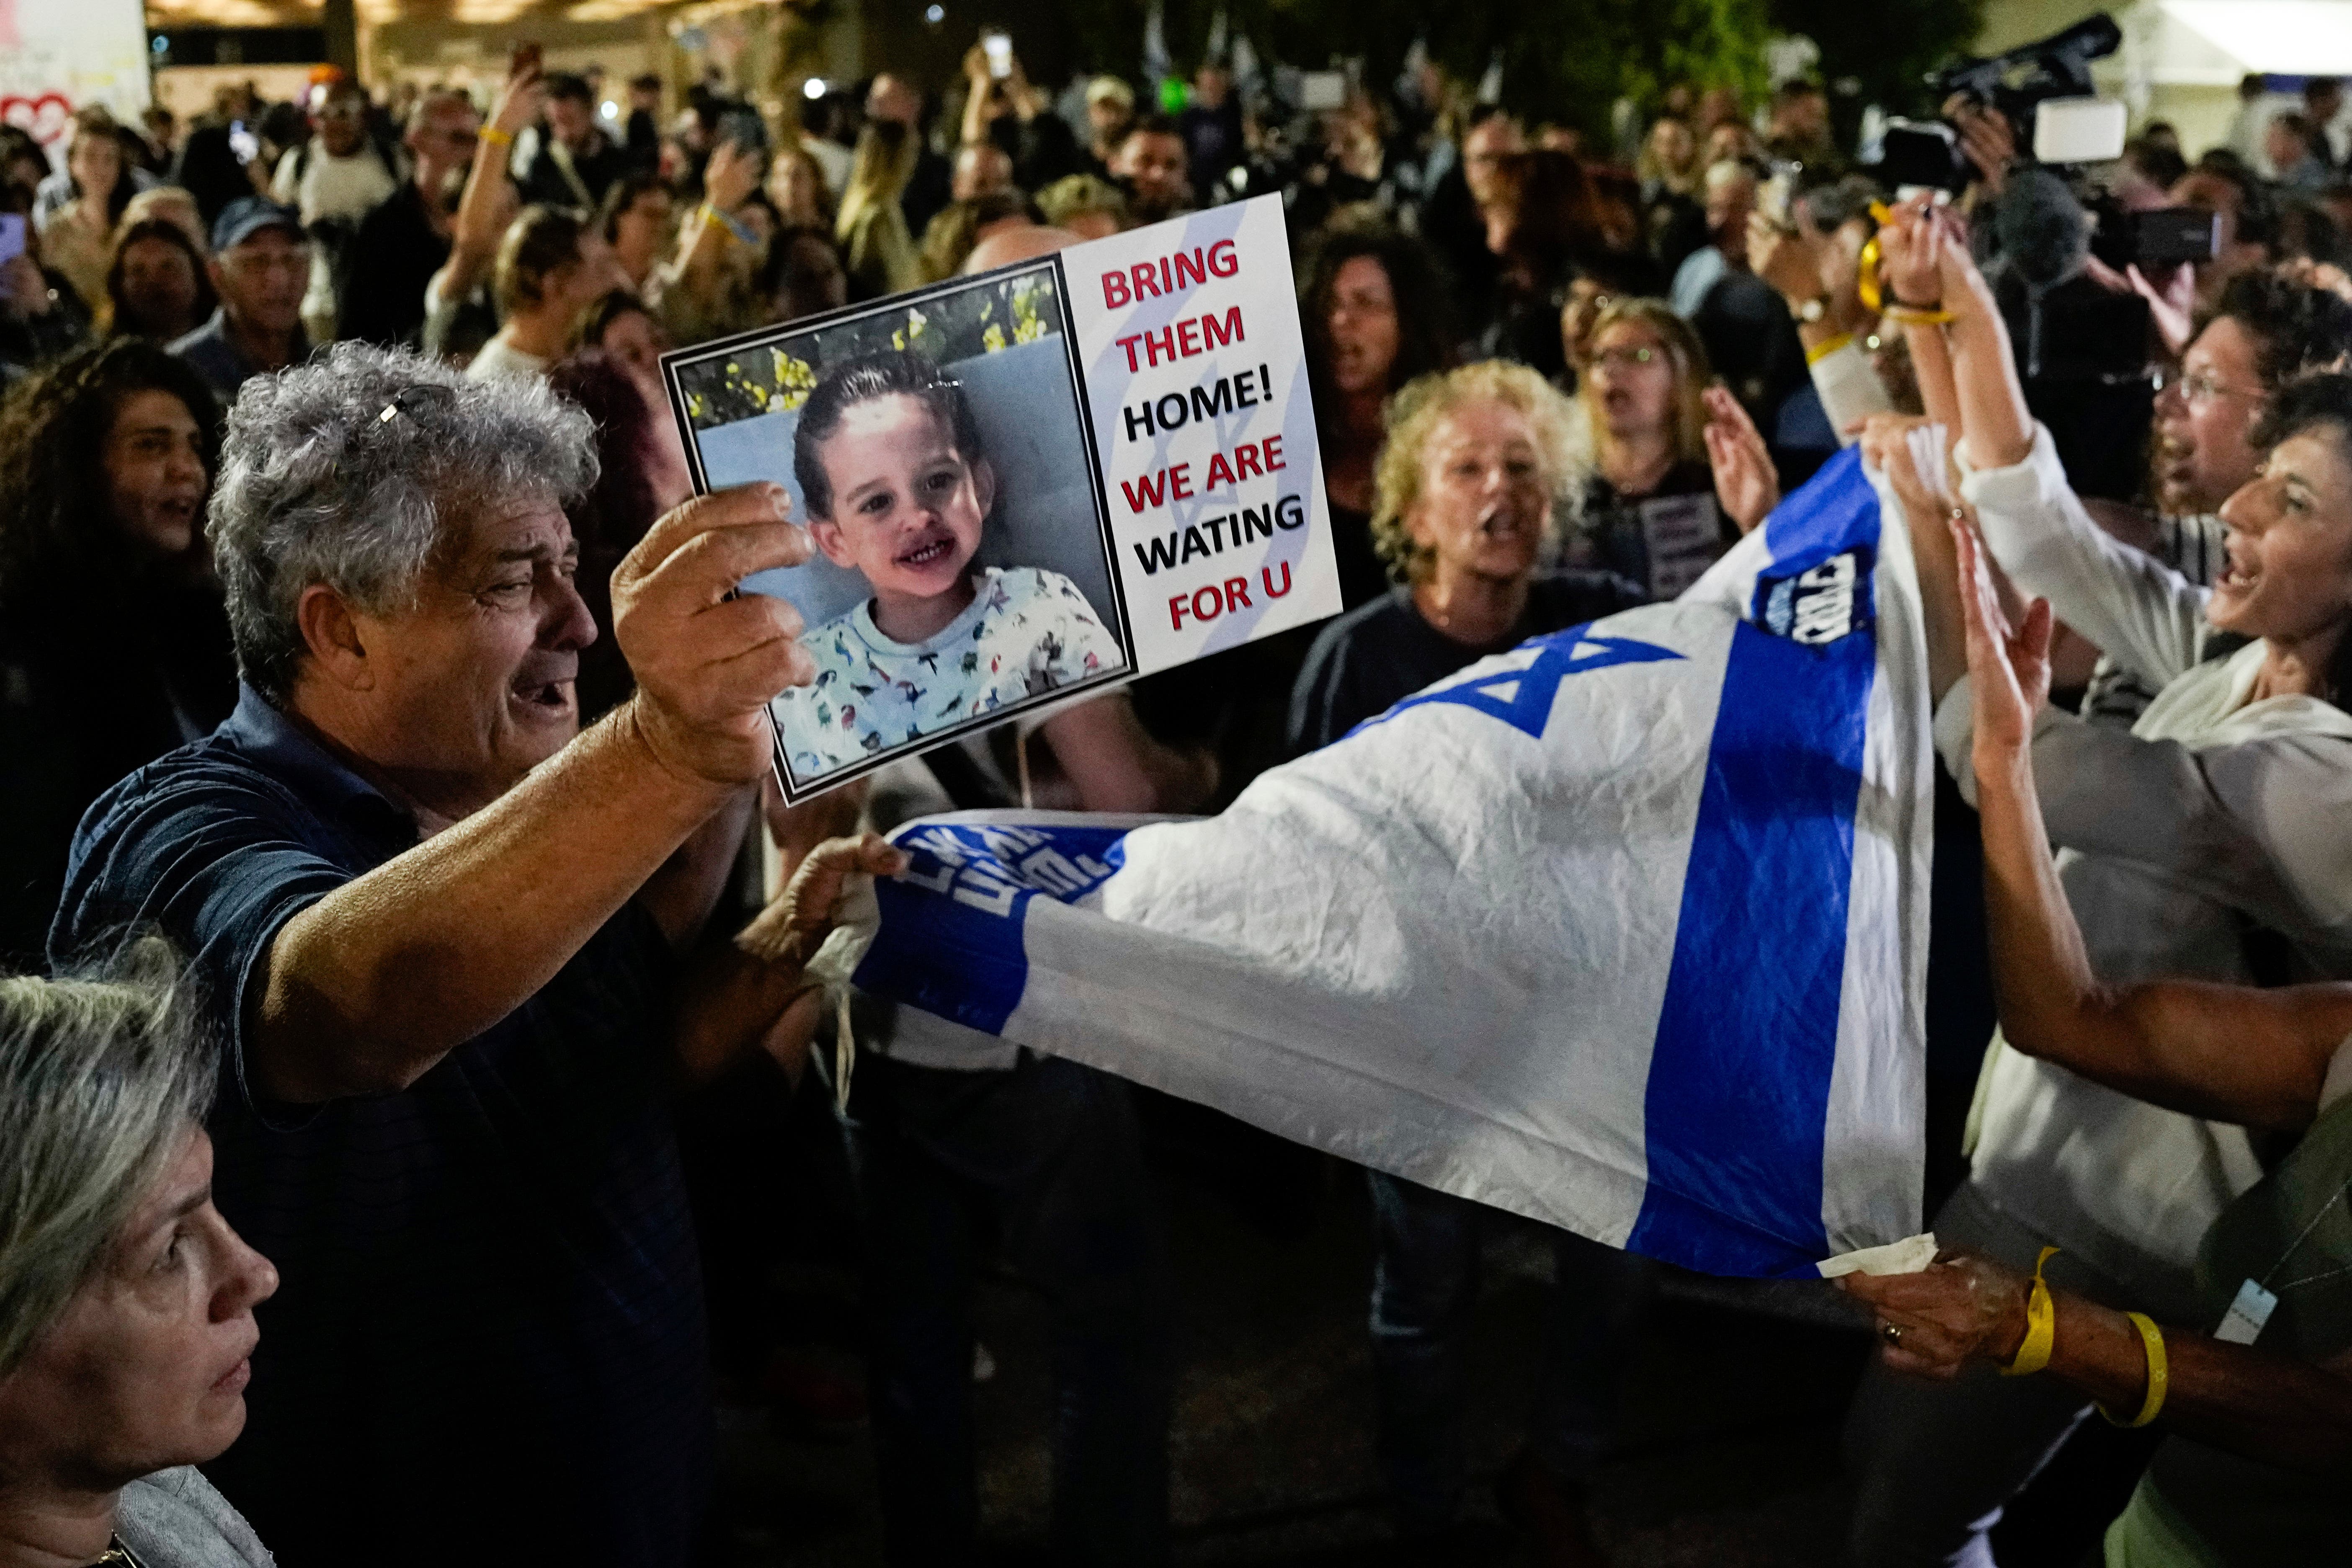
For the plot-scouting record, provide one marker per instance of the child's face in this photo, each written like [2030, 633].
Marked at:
[907, 507]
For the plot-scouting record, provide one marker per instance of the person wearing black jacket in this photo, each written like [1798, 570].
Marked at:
[404, 240]
[1477, 462]
[574, 161]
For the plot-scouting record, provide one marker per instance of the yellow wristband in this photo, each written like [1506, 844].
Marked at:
[493, 136]
[2040, 1325]
[1826, 347]
[2159, 1372]
[1918, 315]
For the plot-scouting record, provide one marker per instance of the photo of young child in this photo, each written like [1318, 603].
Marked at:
[935, 446]
[898, 487]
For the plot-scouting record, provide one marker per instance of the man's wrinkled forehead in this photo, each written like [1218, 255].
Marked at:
[519, 528]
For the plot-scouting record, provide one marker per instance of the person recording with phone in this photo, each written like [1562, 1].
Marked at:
[1003, 111]
[40, 314]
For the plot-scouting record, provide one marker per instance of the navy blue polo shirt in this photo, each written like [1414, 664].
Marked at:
[488, 1344]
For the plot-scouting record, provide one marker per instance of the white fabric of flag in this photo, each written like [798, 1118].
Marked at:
[1624, 930]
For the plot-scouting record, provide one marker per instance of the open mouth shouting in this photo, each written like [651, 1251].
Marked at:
[2242, 571]
[1500, 521]
[544, 688]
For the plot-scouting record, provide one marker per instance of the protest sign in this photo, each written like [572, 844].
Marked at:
[56, 59]
[1050, 477]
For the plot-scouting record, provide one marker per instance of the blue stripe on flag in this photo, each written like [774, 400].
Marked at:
[951, 937]
[1739, 1075]
[1834, 511]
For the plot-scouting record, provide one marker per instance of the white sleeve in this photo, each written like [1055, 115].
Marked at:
[2263, 825]
[1849, 388]
[286, 182]
[2140, 611]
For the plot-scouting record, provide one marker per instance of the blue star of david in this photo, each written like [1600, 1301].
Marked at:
[1523, 697]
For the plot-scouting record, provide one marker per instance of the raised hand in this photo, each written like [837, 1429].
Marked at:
[524, 96]
[708, 664]
[732, 174]
[2009, 662]
[1986, 138]
[1746, 486]
[1910, 256]
[1788, 259]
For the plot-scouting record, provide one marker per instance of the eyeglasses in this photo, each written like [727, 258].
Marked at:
[2197, 388]
[1620, 359]
[413, 400]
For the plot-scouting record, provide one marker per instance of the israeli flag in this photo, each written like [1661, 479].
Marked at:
[1624, 930]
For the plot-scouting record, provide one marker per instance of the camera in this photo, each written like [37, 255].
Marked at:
[2020, 83]
[2043, 89]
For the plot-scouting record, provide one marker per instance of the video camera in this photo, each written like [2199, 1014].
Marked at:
[2057, 67]
[2043, 89]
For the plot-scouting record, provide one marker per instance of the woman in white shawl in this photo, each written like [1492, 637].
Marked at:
[2212, 841]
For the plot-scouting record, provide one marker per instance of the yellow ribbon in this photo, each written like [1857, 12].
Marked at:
[2040, 1325]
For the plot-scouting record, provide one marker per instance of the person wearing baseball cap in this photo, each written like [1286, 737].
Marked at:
[260, 267]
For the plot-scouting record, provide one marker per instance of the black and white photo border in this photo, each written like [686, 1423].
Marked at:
[679, 371]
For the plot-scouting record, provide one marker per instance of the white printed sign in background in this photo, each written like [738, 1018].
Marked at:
[56, 56]
[1195, 372]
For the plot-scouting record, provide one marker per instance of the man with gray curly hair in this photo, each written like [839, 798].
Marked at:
[442, 928]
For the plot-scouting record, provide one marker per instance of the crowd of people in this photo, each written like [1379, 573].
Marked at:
[391, 884]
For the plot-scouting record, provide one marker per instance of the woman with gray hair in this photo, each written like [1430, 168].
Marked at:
[126, 1301]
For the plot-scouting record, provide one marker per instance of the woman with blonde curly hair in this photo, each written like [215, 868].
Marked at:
[1481, 465]
[1678, 471]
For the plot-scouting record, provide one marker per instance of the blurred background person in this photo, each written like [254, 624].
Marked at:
[158, 285]
[801, 275]
[76, 209]
[551, 266]
[41, 316]
[1111, 112]
[1151, 166]
[261, 272]
[892, 99]
[1659, 507]
[334, 179]
[1539, 219]
[620, 324]
[1085, 205]
[574, 163]
[876, 249]
[405, 238]
[641, 473]
[797, 188]
[639, 221]
[1362, 345]
[101, 503]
